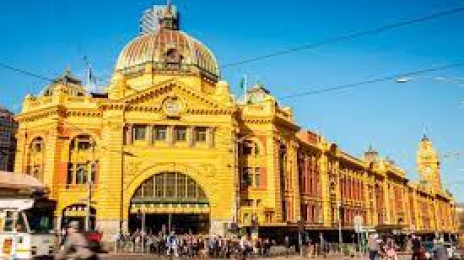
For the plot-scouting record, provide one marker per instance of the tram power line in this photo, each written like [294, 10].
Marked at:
[332, 40]
[371, 81]
[346, 37]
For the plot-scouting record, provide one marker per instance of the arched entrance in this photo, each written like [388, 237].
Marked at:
[170, 201]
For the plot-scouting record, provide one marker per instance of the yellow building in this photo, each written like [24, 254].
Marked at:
[168, 141]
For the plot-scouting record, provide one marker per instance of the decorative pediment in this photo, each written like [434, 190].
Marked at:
[173, 98]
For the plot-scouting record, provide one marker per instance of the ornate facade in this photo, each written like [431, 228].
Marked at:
[168, 140]
[8, 128]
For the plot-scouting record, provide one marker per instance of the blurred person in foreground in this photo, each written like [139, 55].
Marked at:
[75, 245]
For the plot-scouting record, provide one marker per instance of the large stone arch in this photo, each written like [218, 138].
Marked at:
[131, 187]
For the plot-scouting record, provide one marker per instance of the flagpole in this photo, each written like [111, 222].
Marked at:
[245, 89]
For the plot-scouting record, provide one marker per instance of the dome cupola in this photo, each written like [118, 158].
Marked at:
[167, 50]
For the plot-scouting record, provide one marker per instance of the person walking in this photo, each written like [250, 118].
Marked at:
[391, 249]
[439, 250]
[416, 248]
[287, 245]
[75, 245]
[172, 244]
[373, 247]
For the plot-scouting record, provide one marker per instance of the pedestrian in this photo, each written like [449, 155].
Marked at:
[172, 244]
[373, 247]
[117, 241]
[287, 245]
[439, 250]
[75, 245]
[416, 248]
[391, 249]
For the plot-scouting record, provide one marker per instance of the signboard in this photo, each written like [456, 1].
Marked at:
[358, 222]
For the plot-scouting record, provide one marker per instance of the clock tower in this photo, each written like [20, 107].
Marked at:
[428, 164]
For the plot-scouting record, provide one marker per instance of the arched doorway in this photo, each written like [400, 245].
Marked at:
[170, 201]
[78, 212]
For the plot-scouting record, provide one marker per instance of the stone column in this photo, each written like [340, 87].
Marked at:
[170, 135]
[417, 223]
[386, 199]
[149, 135]
[191, 136]
[295, 181]
[21, 151]
[112, 213]
[325, 191]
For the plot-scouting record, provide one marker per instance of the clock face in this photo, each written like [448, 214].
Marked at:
[428, 169]
[172, 107]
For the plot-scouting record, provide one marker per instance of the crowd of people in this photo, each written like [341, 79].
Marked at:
[194, 246]
[386, 248]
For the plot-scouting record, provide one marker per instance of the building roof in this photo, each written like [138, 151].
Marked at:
[10, 180]
[167, 45]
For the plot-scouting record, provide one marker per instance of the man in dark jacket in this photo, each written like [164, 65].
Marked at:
[416, 248]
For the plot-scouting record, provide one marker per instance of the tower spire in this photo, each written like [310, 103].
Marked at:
[168, 18]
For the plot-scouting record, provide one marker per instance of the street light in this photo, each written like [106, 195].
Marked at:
[407, 79]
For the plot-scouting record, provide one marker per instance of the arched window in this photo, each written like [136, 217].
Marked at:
[170, 187]
[36, 160]
[83, 164]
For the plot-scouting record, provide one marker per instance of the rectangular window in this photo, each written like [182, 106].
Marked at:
[247, 202]
[180, 133]
[140, 132]
[9, 221]
[81, 173]
[181, 186]
[192, 189]
[160, 133]
[200, 134]
[170, 185]
[159, 185]
[247, 177]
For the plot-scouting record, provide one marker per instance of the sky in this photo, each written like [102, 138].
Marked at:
[48, 36]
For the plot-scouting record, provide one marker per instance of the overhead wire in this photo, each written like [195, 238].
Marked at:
[332, 40]
[371, 81]
[25, 72]
[347, 37]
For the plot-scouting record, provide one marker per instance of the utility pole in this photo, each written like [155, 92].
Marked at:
[89, 202]
[92, 162]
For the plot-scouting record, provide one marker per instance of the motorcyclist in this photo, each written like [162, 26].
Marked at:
[76, 245]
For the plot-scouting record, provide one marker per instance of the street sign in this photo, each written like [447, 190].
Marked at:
[358, 222]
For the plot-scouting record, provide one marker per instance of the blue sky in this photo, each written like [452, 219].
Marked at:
[47, 36]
